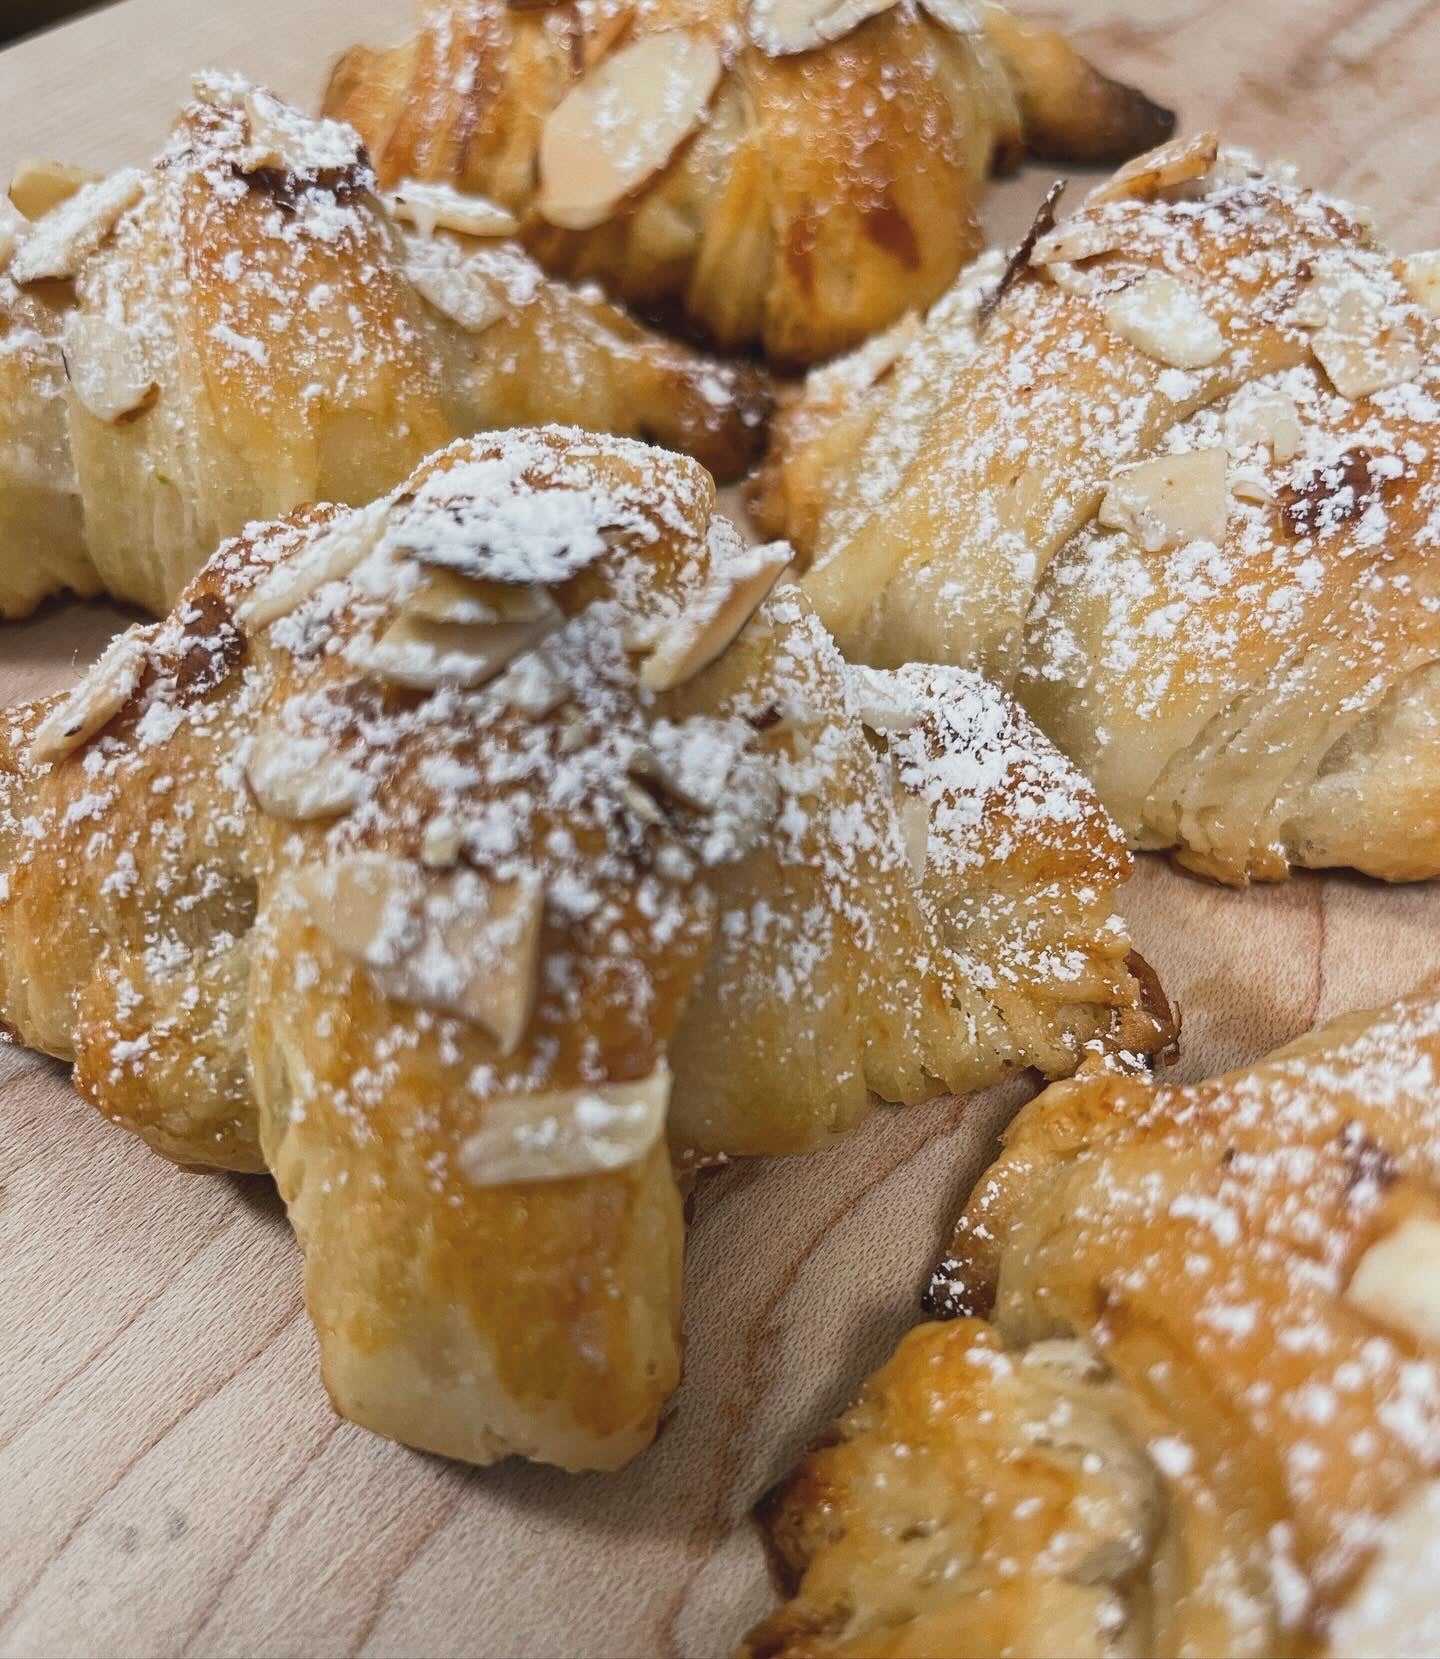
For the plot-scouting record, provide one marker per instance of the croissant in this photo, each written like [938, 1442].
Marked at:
[447, 855]
[245, 327]
[1193, 1403]
[730, 167]
[1171, 476]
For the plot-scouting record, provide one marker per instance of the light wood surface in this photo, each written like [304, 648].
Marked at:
[171, 1479]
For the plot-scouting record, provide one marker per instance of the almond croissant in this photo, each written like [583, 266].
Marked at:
[1172, 477]
[1194, 1404]
[245, 327]
[448, 855]
[784, 174]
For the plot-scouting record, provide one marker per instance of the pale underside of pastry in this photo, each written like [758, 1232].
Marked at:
[247, 326]
[784, 174]
[1172, 476]
[474, 859]
[1192, 1403]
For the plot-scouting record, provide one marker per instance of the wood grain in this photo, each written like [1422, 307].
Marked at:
[171, 1478]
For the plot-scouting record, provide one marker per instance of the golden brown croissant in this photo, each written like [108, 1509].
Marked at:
[1172, 477]
[736, 167]
[1193, 1405]
[446, 854]
[245, 327]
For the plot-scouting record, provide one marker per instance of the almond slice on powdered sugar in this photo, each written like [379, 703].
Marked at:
[567, 1132]
[66, 237]
[1167, 320]
[620, 125]
[1397, 1280]
[297, 778]
[456, 942]
[1420, 273]
[431, 207]
[1166, 171]
[38, 187]
[780, 28]
[1171, 501]
[99, 697]
[738, 584]
[106, 367]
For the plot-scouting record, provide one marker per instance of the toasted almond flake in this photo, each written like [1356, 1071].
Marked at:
[1248, 485]
[366, 904]
[1397, 1280]
[329, 557]
[692, 762]
[478, 954]
[1365, 346]
[431, 207]
[1170, 501]
[1167, 321]
[1161, 171]
[448, 596]
[1392, 1609]
[13, 225]
[282, 139]
[736, 589]
[1265, 415]
[99, 697]
[459, 288]
[106, 366]
[424, 655]
[62, 241]
[881, 701]
[913, 817]
[299, 778]
[567, 1132]
[39, 187]
[961, 16]
[621, 124]
[1078, 238]
[1421, 275]
[782, 27]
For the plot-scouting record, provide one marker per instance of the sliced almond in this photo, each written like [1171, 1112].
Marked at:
[13, 225]
[736, 589]
[282, 139]
[1392, 1609]
[99, 697]
[1265, 415]
[1365, 346]
[1397, 1280]
[366, 904]
[1167, 321]
[424, 656]
[62, 241]
[1168, 168]
[106, 366]
[1421, 275]
[298, 779]
[881, 701]
[691, 761]
[567, 1133]
[1250, 484]
[462, 287]
[782, 27]
[961, 16]
[478, 954]
[432, 207]
[620, 125]
[449, 597]
[1078, 238]
[1169, 502]
[331, 555]
[39, 187]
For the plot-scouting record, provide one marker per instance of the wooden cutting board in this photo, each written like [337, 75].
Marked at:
[171, 1478]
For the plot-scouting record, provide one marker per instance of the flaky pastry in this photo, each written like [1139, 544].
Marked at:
[1172, 476]
[246, 326]
[451, 855]
[787, 174]
[1192, 1405]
